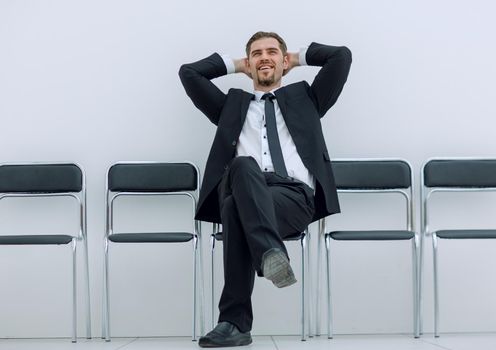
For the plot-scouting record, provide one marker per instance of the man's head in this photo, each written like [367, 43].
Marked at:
[266, 60]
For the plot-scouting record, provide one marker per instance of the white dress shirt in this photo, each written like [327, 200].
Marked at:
[253, 138]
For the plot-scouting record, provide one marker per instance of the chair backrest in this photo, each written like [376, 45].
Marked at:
[41, 178]
[455, 175]
[462, 173]
[369, 174]
[45, 180]
[376, 176]
[152, 177]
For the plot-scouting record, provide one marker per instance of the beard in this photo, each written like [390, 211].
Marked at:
[267, 81]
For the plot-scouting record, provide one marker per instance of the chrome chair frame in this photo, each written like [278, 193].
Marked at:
[425, 194]
[318, 296]
[305, 275]
[80, 197]
[197, 251]
[408, 194]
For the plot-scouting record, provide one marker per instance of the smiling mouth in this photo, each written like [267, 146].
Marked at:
[265, 67]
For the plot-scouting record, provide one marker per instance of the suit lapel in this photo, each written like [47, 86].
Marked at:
[281, 101]
[289, 116]
[294, 122]
[245, 104]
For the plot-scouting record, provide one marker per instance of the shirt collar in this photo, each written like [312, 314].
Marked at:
[259, 94]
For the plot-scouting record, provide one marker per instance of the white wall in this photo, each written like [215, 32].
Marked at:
[96, 82]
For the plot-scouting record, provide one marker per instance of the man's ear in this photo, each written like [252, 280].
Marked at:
[285, 64]
[285, 61]
[247, 67]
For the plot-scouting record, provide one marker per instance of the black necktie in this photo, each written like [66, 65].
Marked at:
[273, 136]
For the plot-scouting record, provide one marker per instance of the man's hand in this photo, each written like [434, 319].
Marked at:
[293, 61]
[241, 66]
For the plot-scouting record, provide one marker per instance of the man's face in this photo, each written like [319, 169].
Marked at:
[266, 63]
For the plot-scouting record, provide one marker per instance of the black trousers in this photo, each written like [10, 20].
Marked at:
[258, 210]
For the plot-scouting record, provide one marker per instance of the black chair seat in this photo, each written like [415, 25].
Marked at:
[35, 239]
[218, 236]
[151, 237]
[371, 235]
[466, 234]
[295, 237]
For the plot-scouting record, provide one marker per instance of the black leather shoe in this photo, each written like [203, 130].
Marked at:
[223, 335]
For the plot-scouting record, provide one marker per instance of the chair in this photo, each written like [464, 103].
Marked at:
[152, 179]
[450, 175]
[373, 176]
[303, 238]
[28, 180]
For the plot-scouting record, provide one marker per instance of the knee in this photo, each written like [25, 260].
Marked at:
[243, 165]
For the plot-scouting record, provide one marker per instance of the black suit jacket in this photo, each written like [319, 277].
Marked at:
[302, 105]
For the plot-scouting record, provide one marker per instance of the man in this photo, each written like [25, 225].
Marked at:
[268, 174]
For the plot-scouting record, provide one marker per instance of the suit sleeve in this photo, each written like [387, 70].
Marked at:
[196, 78]
[328, 84]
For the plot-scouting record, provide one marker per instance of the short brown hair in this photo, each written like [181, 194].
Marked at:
[260, 35]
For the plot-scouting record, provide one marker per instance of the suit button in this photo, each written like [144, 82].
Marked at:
[225, 167]
[234, 143]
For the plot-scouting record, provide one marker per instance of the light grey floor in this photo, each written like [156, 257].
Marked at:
[486, 341]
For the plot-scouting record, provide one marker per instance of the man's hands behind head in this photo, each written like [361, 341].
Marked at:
[241, 66]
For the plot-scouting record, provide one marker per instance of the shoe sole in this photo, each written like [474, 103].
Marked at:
[277, 269]
[226, 343]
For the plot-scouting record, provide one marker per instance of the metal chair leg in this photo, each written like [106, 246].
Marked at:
[195, 246]
[84, 231]
[215, 229]
[104, 306]
[74, 290]
[436, 289]
[320, 237]
[419, 285]
[415, 284]
[87, 286]
[303, 285]
[212, 276]
[327, 240]
[201, 287]
[420, 277]
[106, 294]
[309, 287]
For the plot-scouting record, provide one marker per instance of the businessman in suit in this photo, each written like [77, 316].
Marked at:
[268, 174]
